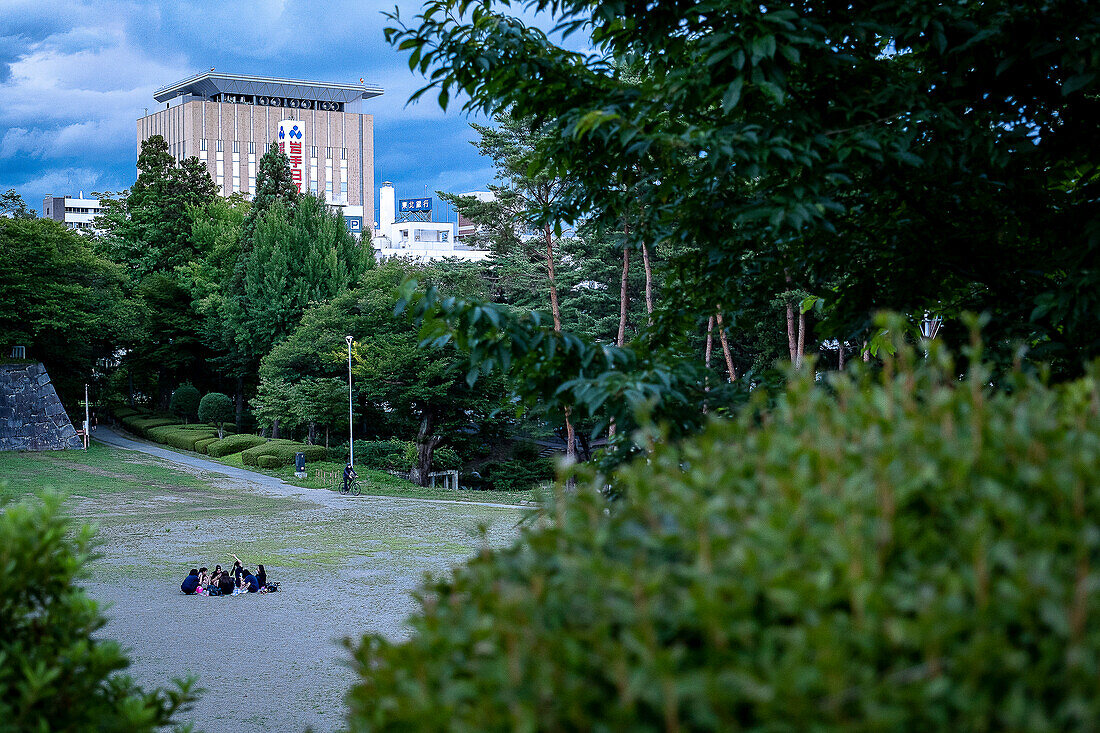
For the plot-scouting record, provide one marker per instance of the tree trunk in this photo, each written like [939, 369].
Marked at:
[312, 437]
[624, 298]
[426, 444]
[840, 355]
[648, 281]
[726, 349]
[792, 341]
[240, 400]
[706, 358]
[130, 381]
[555, 310]
[327, 428]
[801, 340]
[275, 429]
[866, 352]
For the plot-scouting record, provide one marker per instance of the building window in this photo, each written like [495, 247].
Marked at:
[251, 148]
[343, 153]
[218, 146]
[202, 144]
[313, 151]
[236, 146]
[328, 153]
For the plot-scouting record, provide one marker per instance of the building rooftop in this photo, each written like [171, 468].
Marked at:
[210, 83]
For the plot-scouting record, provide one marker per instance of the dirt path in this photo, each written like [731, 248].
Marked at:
[268, 485]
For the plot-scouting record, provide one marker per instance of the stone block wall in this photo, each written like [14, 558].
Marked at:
[31, 414]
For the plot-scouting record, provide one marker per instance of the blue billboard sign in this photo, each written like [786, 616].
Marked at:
[406, 205]
[354, 223]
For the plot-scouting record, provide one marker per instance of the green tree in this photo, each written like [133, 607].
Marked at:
[274, 406]
[273, 183]
[885, 156]
[148, 229]
[217, 408]
[58, 672]
[185, 401]
[63, 301]
[12, 204]
[297, 257]
[320, 401]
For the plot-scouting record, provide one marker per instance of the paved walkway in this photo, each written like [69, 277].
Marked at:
[267, 484]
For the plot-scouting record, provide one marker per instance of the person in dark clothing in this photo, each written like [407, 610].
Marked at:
[261, 577]
[191, 582]
[250, 582]
[225, 584]
[349, 474]
[237, 568]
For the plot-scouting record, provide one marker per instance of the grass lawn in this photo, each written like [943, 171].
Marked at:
[346, 567]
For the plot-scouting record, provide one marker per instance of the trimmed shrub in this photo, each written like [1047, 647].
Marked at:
[59, 673]
[202, 443]
[218, 409]
[142, 425]
[121, 412]
[914, 552]
[185, 402]
[268, 462]
[233, 444]
[284, 451]
[180, 436]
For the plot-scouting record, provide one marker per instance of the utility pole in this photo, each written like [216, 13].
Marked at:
[87, 419]
[351, 411]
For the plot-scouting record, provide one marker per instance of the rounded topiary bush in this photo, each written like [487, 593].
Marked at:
[185, 401]
[269, 461]
[216, 408]
[913, 553]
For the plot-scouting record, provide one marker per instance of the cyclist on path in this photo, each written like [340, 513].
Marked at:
[349, 476]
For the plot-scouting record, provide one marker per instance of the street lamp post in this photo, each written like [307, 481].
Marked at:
[351, 418]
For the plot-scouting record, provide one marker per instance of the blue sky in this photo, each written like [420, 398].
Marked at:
[75, 76]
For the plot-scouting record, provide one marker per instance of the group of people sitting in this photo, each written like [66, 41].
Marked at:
[202, 582]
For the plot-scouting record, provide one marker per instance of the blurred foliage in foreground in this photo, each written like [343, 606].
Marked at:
[53, 674]
[904, 550]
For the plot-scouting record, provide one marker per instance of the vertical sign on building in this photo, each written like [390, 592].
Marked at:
[291, 133]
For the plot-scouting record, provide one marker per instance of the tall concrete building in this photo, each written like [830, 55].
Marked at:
[229, 120]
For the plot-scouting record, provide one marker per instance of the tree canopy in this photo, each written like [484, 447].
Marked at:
[889, 155]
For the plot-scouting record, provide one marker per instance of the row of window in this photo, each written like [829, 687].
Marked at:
[252, 148]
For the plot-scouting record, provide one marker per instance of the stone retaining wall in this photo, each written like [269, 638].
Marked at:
[31, 415]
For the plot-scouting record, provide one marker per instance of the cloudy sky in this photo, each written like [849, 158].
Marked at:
[75, 77]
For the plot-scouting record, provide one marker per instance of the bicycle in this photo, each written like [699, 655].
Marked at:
[352, 487]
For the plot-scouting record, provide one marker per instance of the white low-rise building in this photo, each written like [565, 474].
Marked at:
[75, 212]
[410, 237]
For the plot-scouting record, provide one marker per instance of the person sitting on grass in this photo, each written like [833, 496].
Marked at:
[250, 583]
[225, 584]
[191, 582]
[261, 577]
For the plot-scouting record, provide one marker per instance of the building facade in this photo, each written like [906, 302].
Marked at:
[228, 121]
[416, 237]
[75, 212]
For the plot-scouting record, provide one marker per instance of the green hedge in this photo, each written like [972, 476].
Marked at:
[233, 444]
[284, 451]
[202, 443]
[914, 552]
[516, 475]
[268, 462]
[141, 425]
[121, 412]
